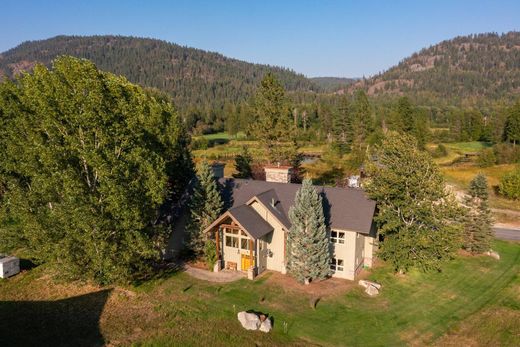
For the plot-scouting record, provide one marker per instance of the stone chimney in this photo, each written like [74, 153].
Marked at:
[218, 169]
[281, 174]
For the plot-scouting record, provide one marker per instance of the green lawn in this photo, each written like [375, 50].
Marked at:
[416, 309]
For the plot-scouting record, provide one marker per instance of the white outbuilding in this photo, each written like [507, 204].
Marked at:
[9, 266]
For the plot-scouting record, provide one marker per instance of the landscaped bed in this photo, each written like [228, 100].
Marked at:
[475, 301]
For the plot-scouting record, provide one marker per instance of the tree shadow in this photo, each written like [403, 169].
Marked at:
[67, 322]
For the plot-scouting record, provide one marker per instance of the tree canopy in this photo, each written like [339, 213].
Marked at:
[419, 220]
[87, 162]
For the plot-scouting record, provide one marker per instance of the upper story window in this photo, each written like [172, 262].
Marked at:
[337, 237]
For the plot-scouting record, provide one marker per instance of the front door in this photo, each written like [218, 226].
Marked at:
[246, 262]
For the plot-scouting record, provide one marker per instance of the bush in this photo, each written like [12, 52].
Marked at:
[200, 143]
[487, 158]
[210, 252]
[506, 153]
[440, 151]
[509, 185]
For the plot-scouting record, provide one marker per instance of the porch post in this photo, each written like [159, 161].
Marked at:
[251, 260]
[218, 264]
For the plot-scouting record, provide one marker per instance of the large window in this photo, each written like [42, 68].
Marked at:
[336, 264]
[231, 241]
[337, 237]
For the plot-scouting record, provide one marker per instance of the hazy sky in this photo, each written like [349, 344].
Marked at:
[316, 38]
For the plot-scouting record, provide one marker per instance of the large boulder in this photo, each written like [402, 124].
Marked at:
[266, 325]
[372, 290]
[366, 284]
[493, 254]
[249, 321]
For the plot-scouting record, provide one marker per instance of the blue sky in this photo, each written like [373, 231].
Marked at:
[316, 38]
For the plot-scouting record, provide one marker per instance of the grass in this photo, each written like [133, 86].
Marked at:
[474, 301]
[461, 175]
[468, 147]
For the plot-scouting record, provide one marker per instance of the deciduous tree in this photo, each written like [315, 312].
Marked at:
[419, 220]
[88, 161]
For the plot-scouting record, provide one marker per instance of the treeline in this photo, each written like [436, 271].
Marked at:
[197, 80]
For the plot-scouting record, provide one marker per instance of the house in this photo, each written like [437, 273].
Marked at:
[251, 234]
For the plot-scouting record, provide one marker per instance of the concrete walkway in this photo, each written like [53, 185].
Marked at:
[223, 276]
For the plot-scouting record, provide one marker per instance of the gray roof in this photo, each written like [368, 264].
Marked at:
[345, 208]
[247, 217]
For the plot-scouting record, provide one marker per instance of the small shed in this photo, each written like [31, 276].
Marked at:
[9, 266]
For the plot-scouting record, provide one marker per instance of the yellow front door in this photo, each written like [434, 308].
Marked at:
[246, 262]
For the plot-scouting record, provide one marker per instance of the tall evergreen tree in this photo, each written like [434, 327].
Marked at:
[419, 220]
[512, 126]
[272, 118]
[308, 254]
[405, 115]
[478, 232]
[205, 207]
[342, 125]
[243, 164]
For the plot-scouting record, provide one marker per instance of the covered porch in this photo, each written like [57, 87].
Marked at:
[239, 236]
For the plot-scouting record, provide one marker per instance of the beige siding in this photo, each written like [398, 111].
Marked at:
[347, 253]
[275, 240]
[370, 246]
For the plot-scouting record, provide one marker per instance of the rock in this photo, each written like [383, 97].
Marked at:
[493, 254]
[372, 290]
[249, 321]
[266, 325]
[367, 284]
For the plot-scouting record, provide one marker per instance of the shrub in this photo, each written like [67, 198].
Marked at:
[440, 151]
[509, 185]
[200, 143]
[506, 153]
[486, 158]
[210, 252]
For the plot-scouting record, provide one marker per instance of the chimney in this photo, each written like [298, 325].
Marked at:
[281, 174]
[218, 169]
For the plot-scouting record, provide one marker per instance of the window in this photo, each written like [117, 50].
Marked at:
[244, 244]
[336, 264]
[231, 241]
[337, 237]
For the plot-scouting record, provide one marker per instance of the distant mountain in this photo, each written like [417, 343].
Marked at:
[465, 70]
[193, 77]
[332, 84]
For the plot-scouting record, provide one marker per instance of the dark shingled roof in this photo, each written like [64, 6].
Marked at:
[345, 208]
[251, 221]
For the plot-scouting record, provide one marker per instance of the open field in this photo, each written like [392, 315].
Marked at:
[475, 301]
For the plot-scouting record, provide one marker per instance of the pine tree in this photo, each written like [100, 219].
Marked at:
[205, 207]
[342, 126]
[308, 254]
[478, 232]
[405, 115]
[512, 126]
[272, 118]
[419, 220]
[243, 164]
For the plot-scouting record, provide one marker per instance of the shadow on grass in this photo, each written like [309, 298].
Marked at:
[68, 322]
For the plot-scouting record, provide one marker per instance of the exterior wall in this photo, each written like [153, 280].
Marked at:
[275, 252]
[347, 252]
[370, 247]
[280, 174]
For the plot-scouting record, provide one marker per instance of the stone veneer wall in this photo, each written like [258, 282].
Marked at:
[278, 174]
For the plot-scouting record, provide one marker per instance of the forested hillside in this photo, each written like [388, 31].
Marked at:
[467, 70]
[193, 77]
[332, 84]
